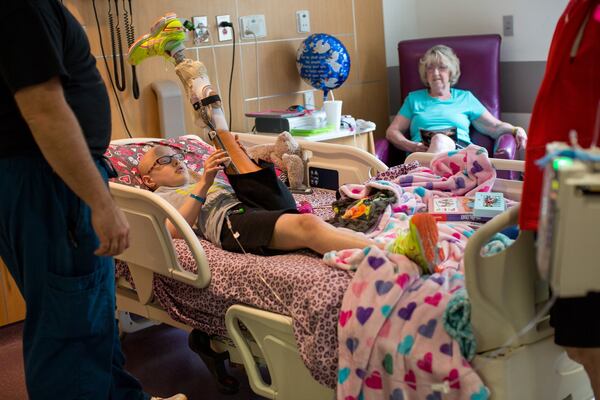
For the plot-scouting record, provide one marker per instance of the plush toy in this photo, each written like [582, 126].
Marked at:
[286, 155]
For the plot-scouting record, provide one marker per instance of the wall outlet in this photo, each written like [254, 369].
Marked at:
[309, 100]
[507, 25]
[200, 29]
[225, 33]
[253, 23]
[303, 21]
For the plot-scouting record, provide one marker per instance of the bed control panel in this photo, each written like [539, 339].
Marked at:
[323, 178]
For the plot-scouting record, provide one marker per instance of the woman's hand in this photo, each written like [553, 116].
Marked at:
[213, 164]
[416, 147]
[521, 137]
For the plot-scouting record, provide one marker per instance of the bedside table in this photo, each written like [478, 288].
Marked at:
[362, 139]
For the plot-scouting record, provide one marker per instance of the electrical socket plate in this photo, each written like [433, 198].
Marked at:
[254, 23]
[507, 25]
[303, 21]
[225, 33]
[200, 27]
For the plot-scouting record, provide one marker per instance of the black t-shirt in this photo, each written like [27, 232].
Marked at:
[42, 40]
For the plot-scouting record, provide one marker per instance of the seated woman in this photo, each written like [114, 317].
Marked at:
[439, 117]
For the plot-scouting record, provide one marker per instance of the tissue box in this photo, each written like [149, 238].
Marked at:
[489, 204]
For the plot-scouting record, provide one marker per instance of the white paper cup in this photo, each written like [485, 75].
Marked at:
[333, 110]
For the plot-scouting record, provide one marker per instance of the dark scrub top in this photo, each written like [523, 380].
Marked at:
[41, 39]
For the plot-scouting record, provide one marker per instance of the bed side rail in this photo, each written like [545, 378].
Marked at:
[505, 289]
[352, 164]
[151, 249]
[274, 336]
[499, 163]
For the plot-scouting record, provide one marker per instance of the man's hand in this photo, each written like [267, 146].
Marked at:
[112, 229]
[57, 132]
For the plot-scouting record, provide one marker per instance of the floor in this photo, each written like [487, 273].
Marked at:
[12, 380]
[158, 356]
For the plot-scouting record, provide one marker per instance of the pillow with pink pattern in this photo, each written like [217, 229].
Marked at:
[126, 157]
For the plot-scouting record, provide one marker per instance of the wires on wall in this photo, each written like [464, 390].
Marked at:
[115, 34]
[108, 70]
[130, 35]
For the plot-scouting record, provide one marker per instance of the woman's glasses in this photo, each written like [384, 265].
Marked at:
[164, 160]
[433, 67]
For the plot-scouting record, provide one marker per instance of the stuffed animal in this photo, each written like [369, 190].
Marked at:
[286, 155]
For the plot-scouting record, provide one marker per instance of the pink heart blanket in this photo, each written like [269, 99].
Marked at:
[392, 344]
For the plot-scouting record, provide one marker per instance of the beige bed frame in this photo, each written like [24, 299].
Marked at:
[503, 289]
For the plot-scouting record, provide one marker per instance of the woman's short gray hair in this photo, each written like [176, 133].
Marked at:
[440, 54]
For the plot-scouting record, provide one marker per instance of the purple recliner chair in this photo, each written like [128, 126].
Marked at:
[479, 57]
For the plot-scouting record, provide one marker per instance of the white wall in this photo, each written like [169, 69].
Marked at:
[534, 22]
[399, 23]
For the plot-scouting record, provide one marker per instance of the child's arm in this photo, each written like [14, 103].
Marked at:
[192, 206]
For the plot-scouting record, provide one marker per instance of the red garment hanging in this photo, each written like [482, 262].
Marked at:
[568, 97]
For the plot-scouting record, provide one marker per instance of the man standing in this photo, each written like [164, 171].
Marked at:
[59, 226]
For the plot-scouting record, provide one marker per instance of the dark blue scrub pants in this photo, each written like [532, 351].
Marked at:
[70, 338]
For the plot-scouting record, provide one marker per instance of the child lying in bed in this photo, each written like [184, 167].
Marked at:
[211, 203]
[256, 220]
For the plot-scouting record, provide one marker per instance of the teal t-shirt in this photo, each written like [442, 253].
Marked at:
[430, 113]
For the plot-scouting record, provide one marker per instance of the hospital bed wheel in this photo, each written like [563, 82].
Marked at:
[199, 342]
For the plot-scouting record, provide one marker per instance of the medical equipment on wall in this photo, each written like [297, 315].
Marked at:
[130, 35]
[568, 233]
[117, 45]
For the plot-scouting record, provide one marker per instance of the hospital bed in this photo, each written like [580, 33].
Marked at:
[504, 291]
[151, 252]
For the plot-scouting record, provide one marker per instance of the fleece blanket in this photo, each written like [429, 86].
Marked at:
[404, 203]
[455, 173]
[392, 338]
[364, 214]
[392, 344]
